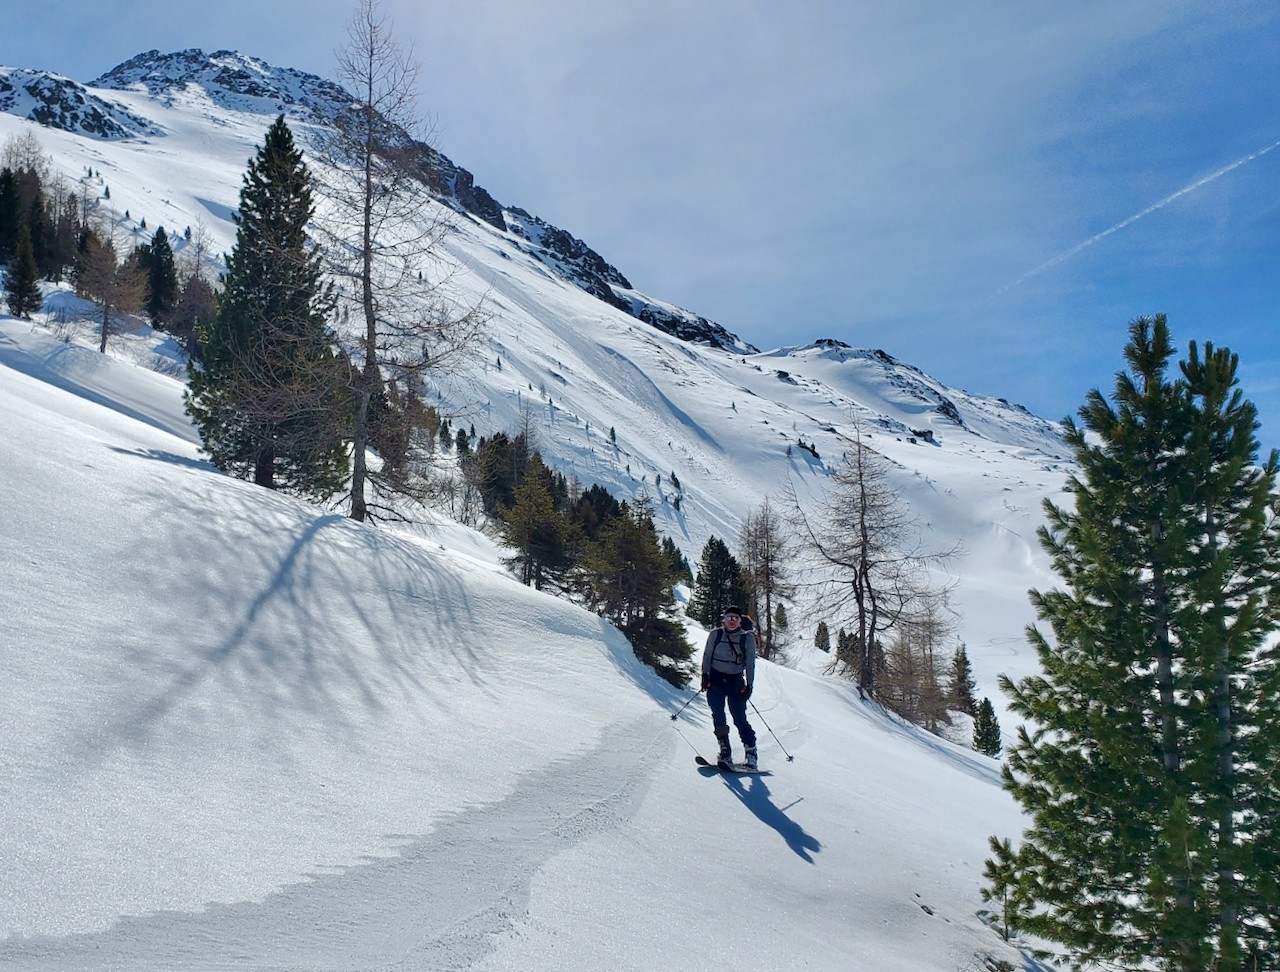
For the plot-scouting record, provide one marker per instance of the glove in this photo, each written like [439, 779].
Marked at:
[706, 682]
[746, 692]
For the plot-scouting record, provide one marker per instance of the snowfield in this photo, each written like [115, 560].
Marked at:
[241, 732]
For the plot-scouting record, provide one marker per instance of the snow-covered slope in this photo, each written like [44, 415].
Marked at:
[725, 419]
[243, 733]
[369, 749]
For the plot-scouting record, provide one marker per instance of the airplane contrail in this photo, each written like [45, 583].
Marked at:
[1067, 255]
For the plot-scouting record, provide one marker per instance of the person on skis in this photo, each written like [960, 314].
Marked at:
[728, 674]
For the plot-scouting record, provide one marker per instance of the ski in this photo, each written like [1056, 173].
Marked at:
[739, 768]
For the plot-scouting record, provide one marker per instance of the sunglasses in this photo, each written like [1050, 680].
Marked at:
[732, 617]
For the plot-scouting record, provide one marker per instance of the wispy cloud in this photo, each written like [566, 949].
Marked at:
[1172, 197]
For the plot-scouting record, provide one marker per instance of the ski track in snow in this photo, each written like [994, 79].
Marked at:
[440, 905]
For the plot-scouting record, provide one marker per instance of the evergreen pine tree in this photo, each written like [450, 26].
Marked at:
[1006, 887]
[846, 645]
[962, 685]
[629, 582]
[162, 280]
[986, 730]
[270, 396]
[497, 468]
[594, 510]
[40, 229]
[547, 546]
[718, 584]
[21, 280]
[1149, 775]
[679, 563]
[822, 637]
[10, 214]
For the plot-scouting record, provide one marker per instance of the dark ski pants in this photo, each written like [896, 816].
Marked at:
[728, 689]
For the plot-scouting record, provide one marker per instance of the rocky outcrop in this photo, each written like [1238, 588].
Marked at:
[61, 103]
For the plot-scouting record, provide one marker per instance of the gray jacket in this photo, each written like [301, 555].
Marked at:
[734, 655]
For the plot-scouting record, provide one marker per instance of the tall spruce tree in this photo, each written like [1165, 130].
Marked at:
[269, 397]
[822, 637]
[40, 229]
[10, 214]
[162, 279]
[986, 730]
[1150, 773]
[629, 581]
[21, 280]
[718, 585]
[546, 542]
[962, 684]
[680, 568]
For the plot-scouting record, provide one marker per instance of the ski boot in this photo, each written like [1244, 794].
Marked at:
[725, 756]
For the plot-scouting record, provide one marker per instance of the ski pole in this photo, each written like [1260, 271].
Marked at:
[790, 758]
[685, 706]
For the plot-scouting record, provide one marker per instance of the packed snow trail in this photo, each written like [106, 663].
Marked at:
[437, 905]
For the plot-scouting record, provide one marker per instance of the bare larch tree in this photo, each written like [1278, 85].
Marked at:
[386, 247]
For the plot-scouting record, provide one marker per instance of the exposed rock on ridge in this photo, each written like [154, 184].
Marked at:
[61, 103]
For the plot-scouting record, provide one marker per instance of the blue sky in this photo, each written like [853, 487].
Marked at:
[989, 191]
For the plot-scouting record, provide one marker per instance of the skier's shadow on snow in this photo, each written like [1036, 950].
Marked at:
[754, 793]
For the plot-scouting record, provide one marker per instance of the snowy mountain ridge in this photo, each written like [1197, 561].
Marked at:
[228, 81]
[58, 102]
[231, 80]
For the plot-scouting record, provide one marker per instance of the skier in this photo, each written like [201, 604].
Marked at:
[728, 673]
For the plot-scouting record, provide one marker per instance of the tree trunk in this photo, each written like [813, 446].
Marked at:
[369, 373]
[359, 447]
[264, 465]
[1228, 915]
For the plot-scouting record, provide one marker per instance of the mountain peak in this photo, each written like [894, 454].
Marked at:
[156, 70]
[230, 80]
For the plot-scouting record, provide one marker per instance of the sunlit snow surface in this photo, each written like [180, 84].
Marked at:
[243, 732]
